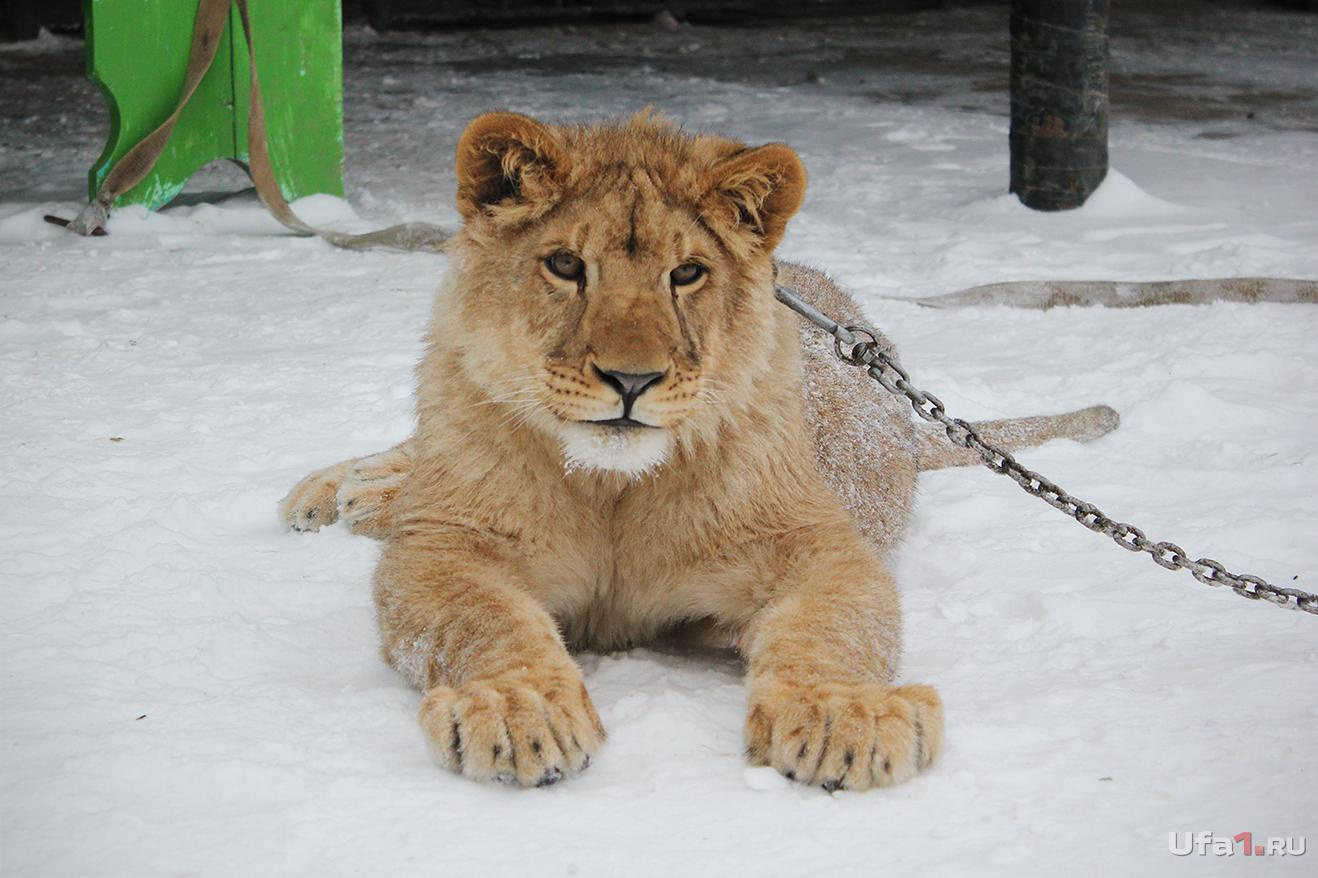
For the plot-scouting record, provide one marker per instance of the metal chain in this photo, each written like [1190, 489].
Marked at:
[859, 346]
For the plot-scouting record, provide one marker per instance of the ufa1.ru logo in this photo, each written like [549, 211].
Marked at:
[1182, 844]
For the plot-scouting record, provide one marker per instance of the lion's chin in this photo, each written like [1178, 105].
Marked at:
[632, 451]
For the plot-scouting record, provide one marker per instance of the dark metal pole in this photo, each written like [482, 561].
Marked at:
[1059, 101]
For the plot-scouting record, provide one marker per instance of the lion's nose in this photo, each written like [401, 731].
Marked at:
[629, 385]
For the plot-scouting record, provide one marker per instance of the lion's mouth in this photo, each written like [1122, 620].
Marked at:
[624, 422]
[621, 444]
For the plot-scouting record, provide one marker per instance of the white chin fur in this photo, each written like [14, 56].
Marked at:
[632, 451]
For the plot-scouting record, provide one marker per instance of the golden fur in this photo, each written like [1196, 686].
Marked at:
[515, 530]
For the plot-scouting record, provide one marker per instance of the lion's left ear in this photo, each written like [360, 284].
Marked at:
[757, 190]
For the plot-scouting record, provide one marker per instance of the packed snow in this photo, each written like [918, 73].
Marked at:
[190, 690]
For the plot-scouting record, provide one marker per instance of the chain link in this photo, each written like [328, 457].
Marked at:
[859, 346]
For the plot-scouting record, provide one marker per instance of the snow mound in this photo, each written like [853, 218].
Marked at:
[1117, 197]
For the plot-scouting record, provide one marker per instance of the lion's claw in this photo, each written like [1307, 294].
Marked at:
[817, 734]
[526, 728]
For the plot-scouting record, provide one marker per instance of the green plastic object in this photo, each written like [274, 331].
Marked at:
[137, 52]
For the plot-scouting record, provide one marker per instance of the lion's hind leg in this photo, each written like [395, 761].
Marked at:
[359, 491]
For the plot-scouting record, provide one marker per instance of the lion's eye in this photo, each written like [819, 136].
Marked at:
[686, 274]
[566, 265]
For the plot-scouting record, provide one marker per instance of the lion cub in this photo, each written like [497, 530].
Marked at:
[614, 442]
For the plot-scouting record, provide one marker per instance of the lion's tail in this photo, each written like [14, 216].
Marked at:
[933, 451]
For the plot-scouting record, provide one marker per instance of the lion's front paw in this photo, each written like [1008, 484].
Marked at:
[365, 497]
[844, 736]
[313, 501]
[523, 727]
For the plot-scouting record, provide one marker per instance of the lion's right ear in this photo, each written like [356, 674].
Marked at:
[506, 164]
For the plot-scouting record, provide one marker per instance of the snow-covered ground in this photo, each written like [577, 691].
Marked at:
[186, 689]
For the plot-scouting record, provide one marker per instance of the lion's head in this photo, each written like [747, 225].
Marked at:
[614, 282]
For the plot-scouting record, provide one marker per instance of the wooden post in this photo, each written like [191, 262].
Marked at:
[1059, 101]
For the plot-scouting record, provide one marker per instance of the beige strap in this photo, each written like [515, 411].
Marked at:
[138, 161]
[1045, 294]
